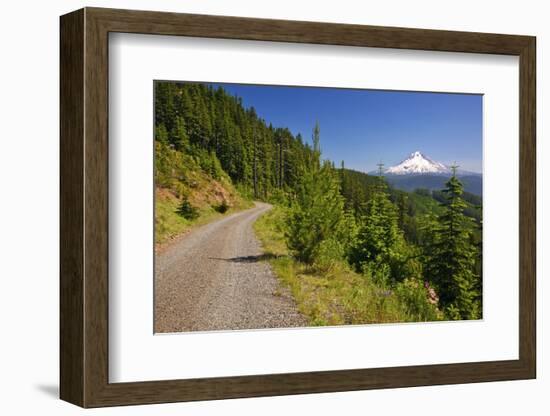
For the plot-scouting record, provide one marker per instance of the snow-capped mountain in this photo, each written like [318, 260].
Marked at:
[419, 171]
[417, 163]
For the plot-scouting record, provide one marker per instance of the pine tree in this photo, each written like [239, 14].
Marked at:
[165, 111]
[402, 203]
[179, 138]
[187, 210]
[317, 211]
[451, 256]
[161, 135]
[316, 138]
[378, 233]
[255, 164]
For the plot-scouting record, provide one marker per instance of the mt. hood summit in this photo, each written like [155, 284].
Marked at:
[417, 163]
[418, 171]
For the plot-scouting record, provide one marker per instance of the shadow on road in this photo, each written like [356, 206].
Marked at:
[248, 259]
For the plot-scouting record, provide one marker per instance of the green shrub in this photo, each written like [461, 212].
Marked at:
[188, 211]
[329, 254]
[317, 214]
[378, 271]
[223, 207]
[419, 300]
[278, 197]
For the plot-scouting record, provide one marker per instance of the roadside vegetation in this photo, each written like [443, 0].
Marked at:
[330, 292]
[188, 194]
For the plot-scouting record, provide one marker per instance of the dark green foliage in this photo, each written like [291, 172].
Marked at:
[451, 256]
[466, 196]
[188, 211]
[208, 162]
[420, 300]
[423, 192]
[223, 207]
[378, 233]
[180, 139]
[223, 136]
[472, 198]
[380, 246]
[357, 188]
[472, 202]
[472, 183]
[407, 209]
[316, 220]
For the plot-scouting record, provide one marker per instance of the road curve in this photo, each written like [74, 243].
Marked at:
[216, 278]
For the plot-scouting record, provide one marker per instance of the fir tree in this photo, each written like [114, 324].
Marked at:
[317, 211]
[180, 139]
[187, 210]
[161, 135]
[451, 257]
[378, 232]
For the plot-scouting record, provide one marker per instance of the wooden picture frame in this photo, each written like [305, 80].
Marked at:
[84, 207]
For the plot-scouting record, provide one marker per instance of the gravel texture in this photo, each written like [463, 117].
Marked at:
[217, 278]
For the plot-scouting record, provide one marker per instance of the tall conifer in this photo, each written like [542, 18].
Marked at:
[317, 212]
[378, 231]
[451, 257]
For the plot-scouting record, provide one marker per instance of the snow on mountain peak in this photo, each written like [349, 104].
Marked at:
[417, 163]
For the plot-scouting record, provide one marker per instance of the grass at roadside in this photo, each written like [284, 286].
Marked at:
[169, 223]
[334, 295]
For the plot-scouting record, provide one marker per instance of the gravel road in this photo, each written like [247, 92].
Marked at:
[216, 278]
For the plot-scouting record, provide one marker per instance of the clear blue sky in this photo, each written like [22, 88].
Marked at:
[365, 127]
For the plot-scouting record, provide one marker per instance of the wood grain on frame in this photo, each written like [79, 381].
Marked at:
[84, 207]
[71, 210]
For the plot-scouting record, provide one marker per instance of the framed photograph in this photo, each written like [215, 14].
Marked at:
[255, 207]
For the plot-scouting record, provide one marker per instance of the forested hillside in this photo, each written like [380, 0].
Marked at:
[472, 183]
[352, 248]
[216, 129]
